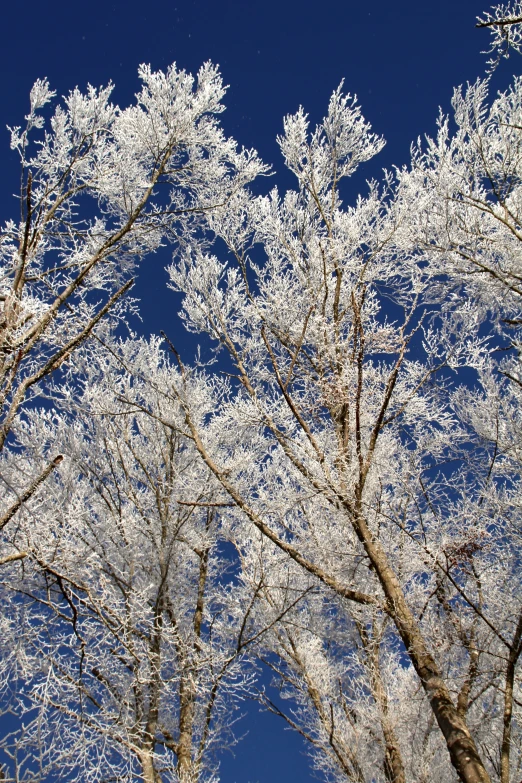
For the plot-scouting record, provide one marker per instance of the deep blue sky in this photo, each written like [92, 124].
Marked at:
[401, 58]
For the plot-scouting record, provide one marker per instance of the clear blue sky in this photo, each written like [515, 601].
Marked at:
[401, 58]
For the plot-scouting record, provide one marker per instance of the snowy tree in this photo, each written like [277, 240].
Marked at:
[101, 188]
[352, 452]
[347, 344]
[124, 638]
[466, 184]
[504, 22]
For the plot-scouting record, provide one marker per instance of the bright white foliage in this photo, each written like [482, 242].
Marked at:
[504, 21]
[131, 640]
[102, 188]
[352, 455]
[357, 343]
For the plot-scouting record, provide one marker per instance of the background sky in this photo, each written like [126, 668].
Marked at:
[401, 58]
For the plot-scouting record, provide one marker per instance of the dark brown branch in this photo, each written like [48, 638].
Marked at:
[500, 22]
[30, 491]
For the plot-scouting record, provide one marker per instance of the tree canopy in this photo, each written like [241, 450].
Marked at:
[334, 495]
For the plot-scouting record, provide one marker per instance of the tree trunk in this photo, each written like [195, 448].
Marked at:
[149, 773]
[186, 720]
[462, 749]
[505, 750]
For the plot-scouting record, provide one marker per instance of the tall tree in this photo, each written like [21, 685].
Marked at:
[132, 644]
[344, 343]
[356, 443]
[100, 189]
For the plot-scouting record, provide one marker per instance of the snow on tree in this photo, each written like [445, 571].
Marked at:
[101, 188]
[349, 342]
[353, 451]
[132, 642]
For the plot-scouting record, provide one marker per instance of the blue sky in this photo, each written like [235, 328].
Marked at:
[401, 58]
